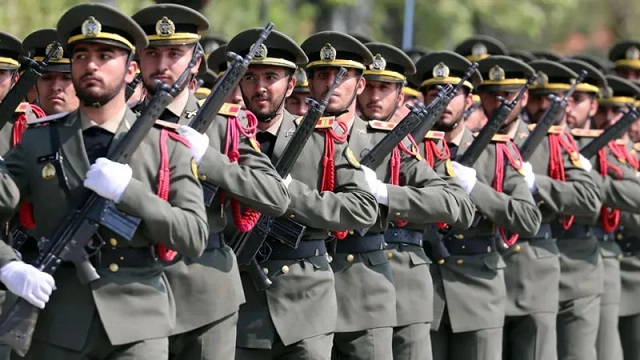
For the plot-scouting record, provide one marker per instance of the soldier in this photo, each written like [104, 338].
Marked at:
[625, 56]
[533, 273]
[580, 262]
[421, 195]
[217, 62]
[473, 273]
[296, 103]
[206, 316]
[479, 47]
[475, 118]
[54, 88]
[303, 283]
[89, 321]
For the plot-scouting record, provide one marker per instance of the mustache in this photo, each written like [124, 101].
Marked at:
[261, 97]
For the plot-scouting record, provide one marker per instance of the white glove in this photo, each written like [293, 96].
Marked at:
[586, 164]
[529, 177]
[108, 179]
[378, 188]
[465, 175]
[27, 282]
[287, 180]
[199, 142]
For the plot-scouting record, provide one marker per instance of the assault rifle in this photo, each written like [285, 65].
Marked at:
[76, 230]
[613, 132]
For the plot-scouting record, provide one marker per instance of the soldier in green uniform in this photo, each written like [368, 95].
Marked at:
[303, 283]
[411, 187]
[478, 47]
[206, 316]
[580, 261]
[472, 271]
[217, 62]
[296, 102]
[533, 268]
[95, 320]
[625, 56]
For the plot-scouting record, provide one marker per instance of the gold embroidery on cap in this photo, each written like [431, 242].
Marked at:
[261, 53]
[478, 50]
[379, 63]
[91, 27]
[57, 52]
[441, 71]
[496, 73]
[328, 53]
[165, 27]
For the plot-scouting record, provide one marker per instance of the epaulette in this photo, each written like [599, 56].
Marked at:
[636, 147]
[621, 142]
[325, 122]
[435, 135]
[556, 129]
[501, 138]
[531, 127]
[46, 120]
[381, 125]
[167, 125]
[585, 133]
[201, 102]
[228, 109]
[22, 107]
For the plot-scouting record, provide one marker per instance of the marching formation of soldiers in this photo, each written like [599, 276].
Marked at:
[156, 207]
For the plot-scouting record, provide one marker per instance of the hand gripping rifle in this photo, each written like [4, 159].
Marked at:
[421, 130]
[225, 84]
[33, 71]
[613, 132]
[552, 116]
[75, 232]
[246, 245]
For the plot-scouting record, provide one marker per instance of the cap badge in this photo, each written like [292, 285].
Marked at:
[261, 53]
[301, 77]
[607, 92]
[440, 71]
[379, 63]
[542, 79]
[496, 73]
[328, 53]
[165, 27]
[57, 53]
[632, 53]
[478, 50]
[91, 27]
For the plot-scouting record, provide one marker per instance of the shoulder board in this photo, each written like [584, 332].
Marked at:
[47, 119]
[167, 125]
[585, 132]
[636, 147]
[435, 135]
[325, 122]
[501, 138]
[228, 109]
[475, 133]
[621, 142]
[531, 127]
[381, 125]
[201, 102]
[556, 129]
[22, 107]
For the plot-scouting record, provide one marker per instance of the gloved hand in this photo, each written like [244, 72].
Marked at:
[529, 177]
[27, 282]
[199, 142]
[465, 175]
[287, 180]
[108, 179]
[378, 188]
[586, 164]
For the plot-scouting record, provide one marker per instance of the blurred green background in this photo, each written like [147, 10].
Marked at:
[565, 26]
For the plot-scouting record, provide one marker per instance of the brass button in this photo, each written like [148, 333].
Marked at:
[114, 267]
[265, 271]
[350, 258]
[292, 216]
[459, 261]
[285, 269]
[620, 257]
[203, 177]
[517, 248]
[351, 232]
[330, 258]
[113, 242]
[389, 255]
[619, 236]
[440, 261]
[460, 237]
[121, 258]
[398, 214]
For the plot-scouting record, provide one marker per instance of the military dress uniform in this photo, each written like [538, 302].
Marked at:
[533, 265]
[473, 272]
[95, 320]
[206, 317]
[421, 197]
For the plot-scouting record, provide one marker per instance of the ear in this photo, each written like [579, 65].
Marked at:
[132, 68]
[400, 98]
[468, 101]
[194, 70]
[360, 85]
[524, 100]
[594, 107]
[290, 85]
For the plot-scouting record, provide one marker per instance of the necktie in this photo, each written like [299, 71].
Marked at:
[453, 149]
[96, 142]
[267, 141]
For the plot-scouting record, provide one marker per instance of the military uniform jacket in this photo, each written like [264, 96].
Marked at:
[197, 282]
[422, 198]
[533, 264]
[306, 289]
[472, 286]
[123, 295]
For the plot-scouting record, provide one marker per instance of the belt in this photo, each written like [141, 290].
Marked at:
[630, 245]
[215, 241]
[360, 244]
[403, 236]
[127, 257]
[305, 249]
[601, 235]
[575, 231]
[458, 245]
